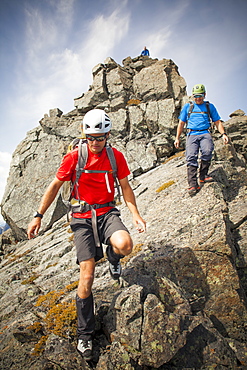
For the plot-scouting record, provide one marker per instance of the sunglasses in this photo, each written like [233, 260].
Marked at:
[198, 96]
[97, 138]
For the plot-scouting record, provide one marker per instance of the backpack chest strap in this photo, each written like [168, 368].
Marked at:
[97, 171]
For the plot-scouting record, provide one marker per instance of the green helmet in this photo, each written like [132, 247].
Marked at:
[198, 89]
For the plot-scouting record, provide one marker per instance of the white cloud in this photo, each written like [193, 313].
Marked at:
[64, 73]
[158, 42]
[105, 32]
[47, 27]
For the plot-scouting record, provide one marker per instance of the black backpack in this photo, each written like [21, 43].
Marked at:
[208, 111]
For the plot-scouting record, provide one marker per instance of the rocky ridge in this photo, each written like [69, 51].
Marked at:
[181, 302]
[143, 99]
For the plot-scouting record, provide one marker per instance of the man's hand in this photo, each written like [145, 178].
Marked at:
[176, 143]
[139, 224]
[225, 139]
[33, 227]
[179, 133]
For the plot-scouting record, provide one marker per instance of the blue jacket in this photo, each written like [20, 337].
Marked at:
[145, 52]
[199, 120]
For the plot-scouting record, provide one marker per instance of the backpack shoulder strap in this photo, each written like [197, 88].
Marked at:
[113, 163]
[82, 158]
[190, 109]
[112, 159]
[208, 111]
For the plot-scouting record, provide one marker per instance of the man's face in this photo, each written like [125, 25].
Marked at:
[96, 146]
[199, 99]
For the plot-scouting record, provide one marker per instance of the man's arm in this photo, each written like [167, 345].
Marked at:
[46, 201]
[130, 201]
[179, 132]
[220, 128]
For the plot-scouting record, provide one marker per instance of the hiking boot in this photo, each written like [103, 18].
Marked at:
[115, 270]
[114, 262]
[85, 347]
[193, 190]
[207, 179]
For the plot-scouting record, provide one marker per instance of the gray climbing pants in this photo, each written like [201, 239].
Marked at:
[194, 144]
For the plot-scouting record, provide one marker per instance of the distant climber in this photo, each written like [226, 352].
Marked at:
[198, 116]
[145, 52]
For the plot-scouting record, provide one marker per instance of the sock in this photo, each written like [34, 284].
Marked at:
[85, 317]
[112, 256]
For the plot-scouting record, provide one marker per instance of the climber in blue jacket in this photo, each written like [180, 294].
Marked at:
[198, 116]
[145, 52]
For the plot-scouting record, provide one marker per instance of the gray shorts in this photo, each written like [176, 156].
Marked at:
[83, 234]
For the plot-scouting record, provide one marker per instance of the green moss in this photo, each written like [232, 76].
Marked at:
[156, 346]
[125, 357]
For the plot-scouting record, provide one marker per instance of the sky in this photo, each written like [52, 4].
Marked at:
[48, 49]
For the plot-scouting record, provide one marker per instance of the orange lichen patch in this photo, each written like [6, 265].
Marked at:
[177, 155]
[136, 249]
[165, 186]
[66, 225]
[71, 238]
[40, 346]
[17, 257]
[61, 319]
[49, 300]
[133, 102]
[36, 327]
[48, 266]
[72, 286]
[31, 279]
[4, 328]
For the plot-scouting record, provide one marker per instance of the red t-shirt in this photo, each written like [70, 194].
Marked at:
[94, 188]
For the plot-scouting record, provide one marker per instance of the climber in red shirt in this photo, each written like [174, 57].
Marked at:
[93, 198]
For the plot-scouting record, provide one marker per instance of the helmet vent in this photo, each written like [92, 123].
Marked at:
[96, 121]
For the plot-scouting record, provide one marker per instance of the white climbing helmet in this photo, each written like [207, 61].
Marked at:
[96, 121]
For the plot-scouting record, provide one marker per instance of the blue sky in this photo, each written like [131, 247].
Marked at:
[49, 47]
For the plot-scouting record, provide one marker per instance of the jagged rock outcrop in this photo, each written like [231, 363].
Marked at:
[143, 98]
[182, 299]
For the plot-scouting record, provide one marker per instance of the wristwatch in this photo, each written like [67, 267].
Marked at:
[37, 214]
